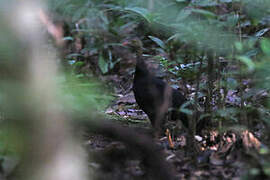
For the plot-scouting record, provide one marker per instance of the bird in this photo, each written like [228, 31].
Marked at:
[153, 95]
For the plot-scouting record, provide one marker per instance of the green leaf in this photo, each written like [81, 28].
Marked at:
[140, 11]
[262, 32]
[103, 65]
[251, 53]
[264, 151]
[73, 55]
[115, 62]
[174, 37]
[184, 108]
[204, 13]
[186, 111]
[232, 20]
[247, 61]
[158, 41]
[205, 3]
[239, 46]
[265, 45]
[68, 38]
[266, 170]
[79, 63]
[226, 1]
[254, 171]
[180, 0]
[183, 14]
[202, 116]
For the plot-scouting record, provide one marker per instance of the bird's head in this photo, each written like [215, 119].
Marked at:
[134, 44]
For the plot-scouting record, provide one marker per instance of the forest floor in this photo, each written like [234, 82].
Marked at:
[232, 153]
[221, 156]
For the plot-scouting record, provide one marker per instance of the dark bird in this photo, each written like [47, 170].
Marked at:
[154, 96]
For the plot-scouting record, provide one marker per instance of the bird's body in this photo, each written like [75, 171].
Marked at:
[154, 96]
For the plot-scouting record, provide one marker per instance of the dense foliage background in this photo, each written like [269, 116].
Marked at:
[228, 37]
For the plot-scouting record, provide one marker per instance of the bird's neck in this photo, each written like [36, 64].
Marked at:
[141, 68]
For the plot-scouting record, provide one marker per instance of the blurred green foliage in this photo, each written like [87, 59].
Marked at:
[83, 95]
[78, 94]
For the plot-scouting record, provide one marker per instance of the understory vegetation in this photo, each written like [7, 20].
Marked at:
[220, 48]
